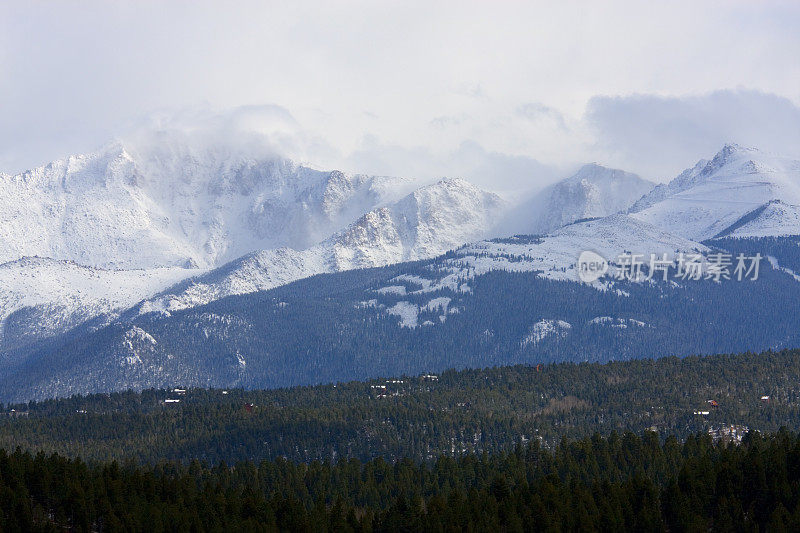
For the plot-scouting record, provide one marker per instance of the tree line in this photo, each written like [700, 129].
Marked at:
[421, 418]
[620, 482]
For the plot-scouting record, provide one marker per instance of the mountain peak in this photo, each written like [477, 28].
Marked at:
[595, 174]
[734, 148]
[593, 191]
[728, 153]
[591, 167]
[453, 182]
[737, 181]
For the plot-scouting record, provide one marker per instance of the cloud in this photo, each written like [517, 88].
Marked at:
[488, 169]
[254, 130]
[537, 113]
[660, 136]
[512, 78]
[446, 121]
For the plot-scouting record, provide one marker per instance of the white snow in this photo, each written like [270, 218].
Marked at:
[424, 283]
[160, 204]
[621, 323]
[165, 202]
[424, 224]
[138, 334]
[68, 293]
[774, 263]
[408, 313]
[392, 289]
[555, 256]
[709, 198]
[594, 191]
[136, 343]
[774, 219]
[437, 304]
[544, 329]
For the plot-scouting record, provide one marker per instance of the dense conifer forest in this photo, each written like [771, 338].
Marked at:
[694, 444]
[422, 417]
[622, 482]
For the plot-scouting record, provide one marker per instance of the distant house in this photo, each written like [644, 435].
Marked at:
[179, 391]
[765, 398]
[732, 433]
[172, 400]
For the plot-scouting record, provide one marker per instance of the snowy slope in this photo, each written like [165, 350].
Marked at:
[173, 204]
[41, 297]
[168, 204]
[555, 256]
[552, 257]
[773, 219]
[153, 207]
[410, 296]
[594, 191]
[714, 197]
[424, 224]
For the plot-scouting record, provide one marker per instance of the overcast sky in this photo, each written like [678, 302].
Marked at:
[498, 92]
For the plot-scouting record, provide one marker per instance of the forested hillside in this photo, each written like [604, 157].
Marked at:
[627, 482]
[420, 417]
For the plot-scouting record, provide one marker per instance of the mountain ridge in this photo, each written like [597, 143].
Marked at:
[711, 196]
[593, 191]
[450, 220]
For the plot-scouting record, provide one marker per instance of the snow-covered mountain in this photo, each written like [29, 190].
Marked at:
[741, 191]
[158, 320]
[169, 225]
[136, 218]
[594, 191]
[503, 301]
[172, 204]
[40, 297]
[424, 224]
[554, 256]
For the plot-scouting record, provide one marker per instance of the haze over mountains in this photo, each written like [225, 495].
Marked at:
[594, 191]
[101, 239]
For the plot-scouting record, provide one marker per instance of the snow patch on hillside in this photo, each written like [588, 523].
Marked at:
[545, 328]
[775, 219]
[408, 313]
[621, 323]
